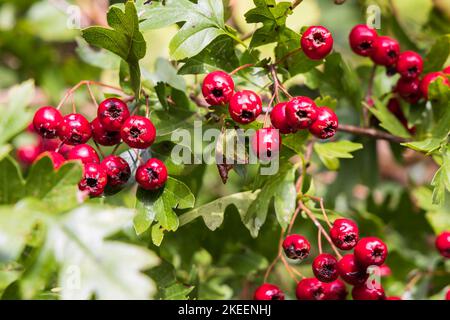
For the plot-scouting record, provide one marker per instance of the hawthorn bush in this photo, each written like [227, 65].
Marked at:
[340, 191]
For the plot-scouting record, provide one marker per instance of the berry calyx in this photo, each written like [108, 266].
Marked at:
[344, 234]
[279, 120]
[218, 88]
[370, 251]
[266, 143]
[152, 175]
[335, 290]
[442, 243]
[102, 136]
[310, 289]
[409, 89]
[296, 247]
[362, 39]
[94, 179]
[301, 112]
[27, 154]
[409, 64]
[385, 51]
[117, 169]
[326, 124]
[85, 153]
[138, 132]
[350, 271]
[112, 113]
[365, 292]
[268, 291]
[245, 106]
[316, 42]
[324, 267]
[57, 159]
[74, 129]
[46, 122]
[430, 78]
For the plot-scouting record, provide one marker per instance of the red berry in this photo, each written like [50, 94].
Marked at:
[138, 132]
[57, 159]
[443, 244]
[350, 271]
[409, 64]
[310, 289]
[102, 136]
[27, 154]
[117, 169]
[364, 292]
[447, 295]
[326, 124]
[94, 179]
[112, 114]
[296, 247]
[393, 298]
[362, 39]
[245, 106]
[370, 251]
[266, 143]
[152, 175]
[446, 70]
[279, 120]
[301, 112]
[85, 153]
[428, 79]
[335, 290]
[344, 234]
[316, 42]
[385, 270]
[218, 88]
[74, 129]
[324, 267]
[268, 291]
[385, 51]
[46, 122]
[409, 89]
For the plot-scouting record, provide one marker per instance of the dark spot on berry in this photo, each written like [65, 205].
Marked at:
[412, 70]
[318, 38]
[217, 92]
[392, 54]
[365, 45]
[377, 252]
[76, 137]
[277, 296]
[318, 293]
[247, 114]
[91, 182]
[135, 132]
[349, 238]
[123, 176]
[152, 174]
[114, 111]
[302, 114]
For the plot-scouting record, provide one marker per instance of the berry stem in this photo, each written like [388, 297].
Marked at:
[322, 208]
[99, 149]
[272, 264]
[287, 56]
[369, 94]
[319, 241]
[92, 95]
[373, 133]
[248, 65]
[116, 148]
[294, 217]
[288, 268]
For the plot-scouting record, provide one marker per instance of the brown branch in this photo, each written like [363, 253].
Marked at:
[373, 133]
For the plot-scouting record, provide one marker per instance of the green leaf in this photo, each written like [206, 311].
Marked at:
[296, 141]
[204, 22]
[438, 55]
[441, 179]
[177, 291]
[330, 152]
[439, 95]
[124, 39]
[12, 183]
[99, 58]
[388, 120]
[428, 145]
[165, 72]
[437, 216]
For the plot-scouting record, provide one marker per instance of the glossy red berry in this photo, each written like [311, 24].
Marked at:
[245, 106]
[268, 291]
[310, 289]
[442, 243]
[409, 89]
[27, 154]
[266, 143]
[301, 112]
[365, 292]
[385, 270]
[117, 169]
[138, 132]
[74, 129]
[370, 251]
[324, 267]
[296, 247]
[430, 78]
[335, 290]
[385, 51]
[152, 175]
[102, 136]
[94, 179]
[57, 159]
[279, 120]
[218, 88]
[85, 153]
[409, 64]
[112, 114]
[393, 298]
[350, 271]
[344, 234]
[446, 70]
[46, 122]
[447, 295]
[316, 42]
[326, 124]
[362, 39]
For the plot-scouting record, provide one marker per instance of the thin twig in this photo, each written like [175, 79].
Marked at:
[319, 240]
[279, 254]
[248, 65]
[373, 133]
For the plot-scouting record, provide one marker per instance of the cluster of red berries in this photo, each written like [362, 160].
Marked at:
[352, 268]
[113, 125]
[385, 51]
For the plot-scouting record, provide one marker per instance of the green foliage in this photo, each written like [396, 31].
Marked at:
[329, 153]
